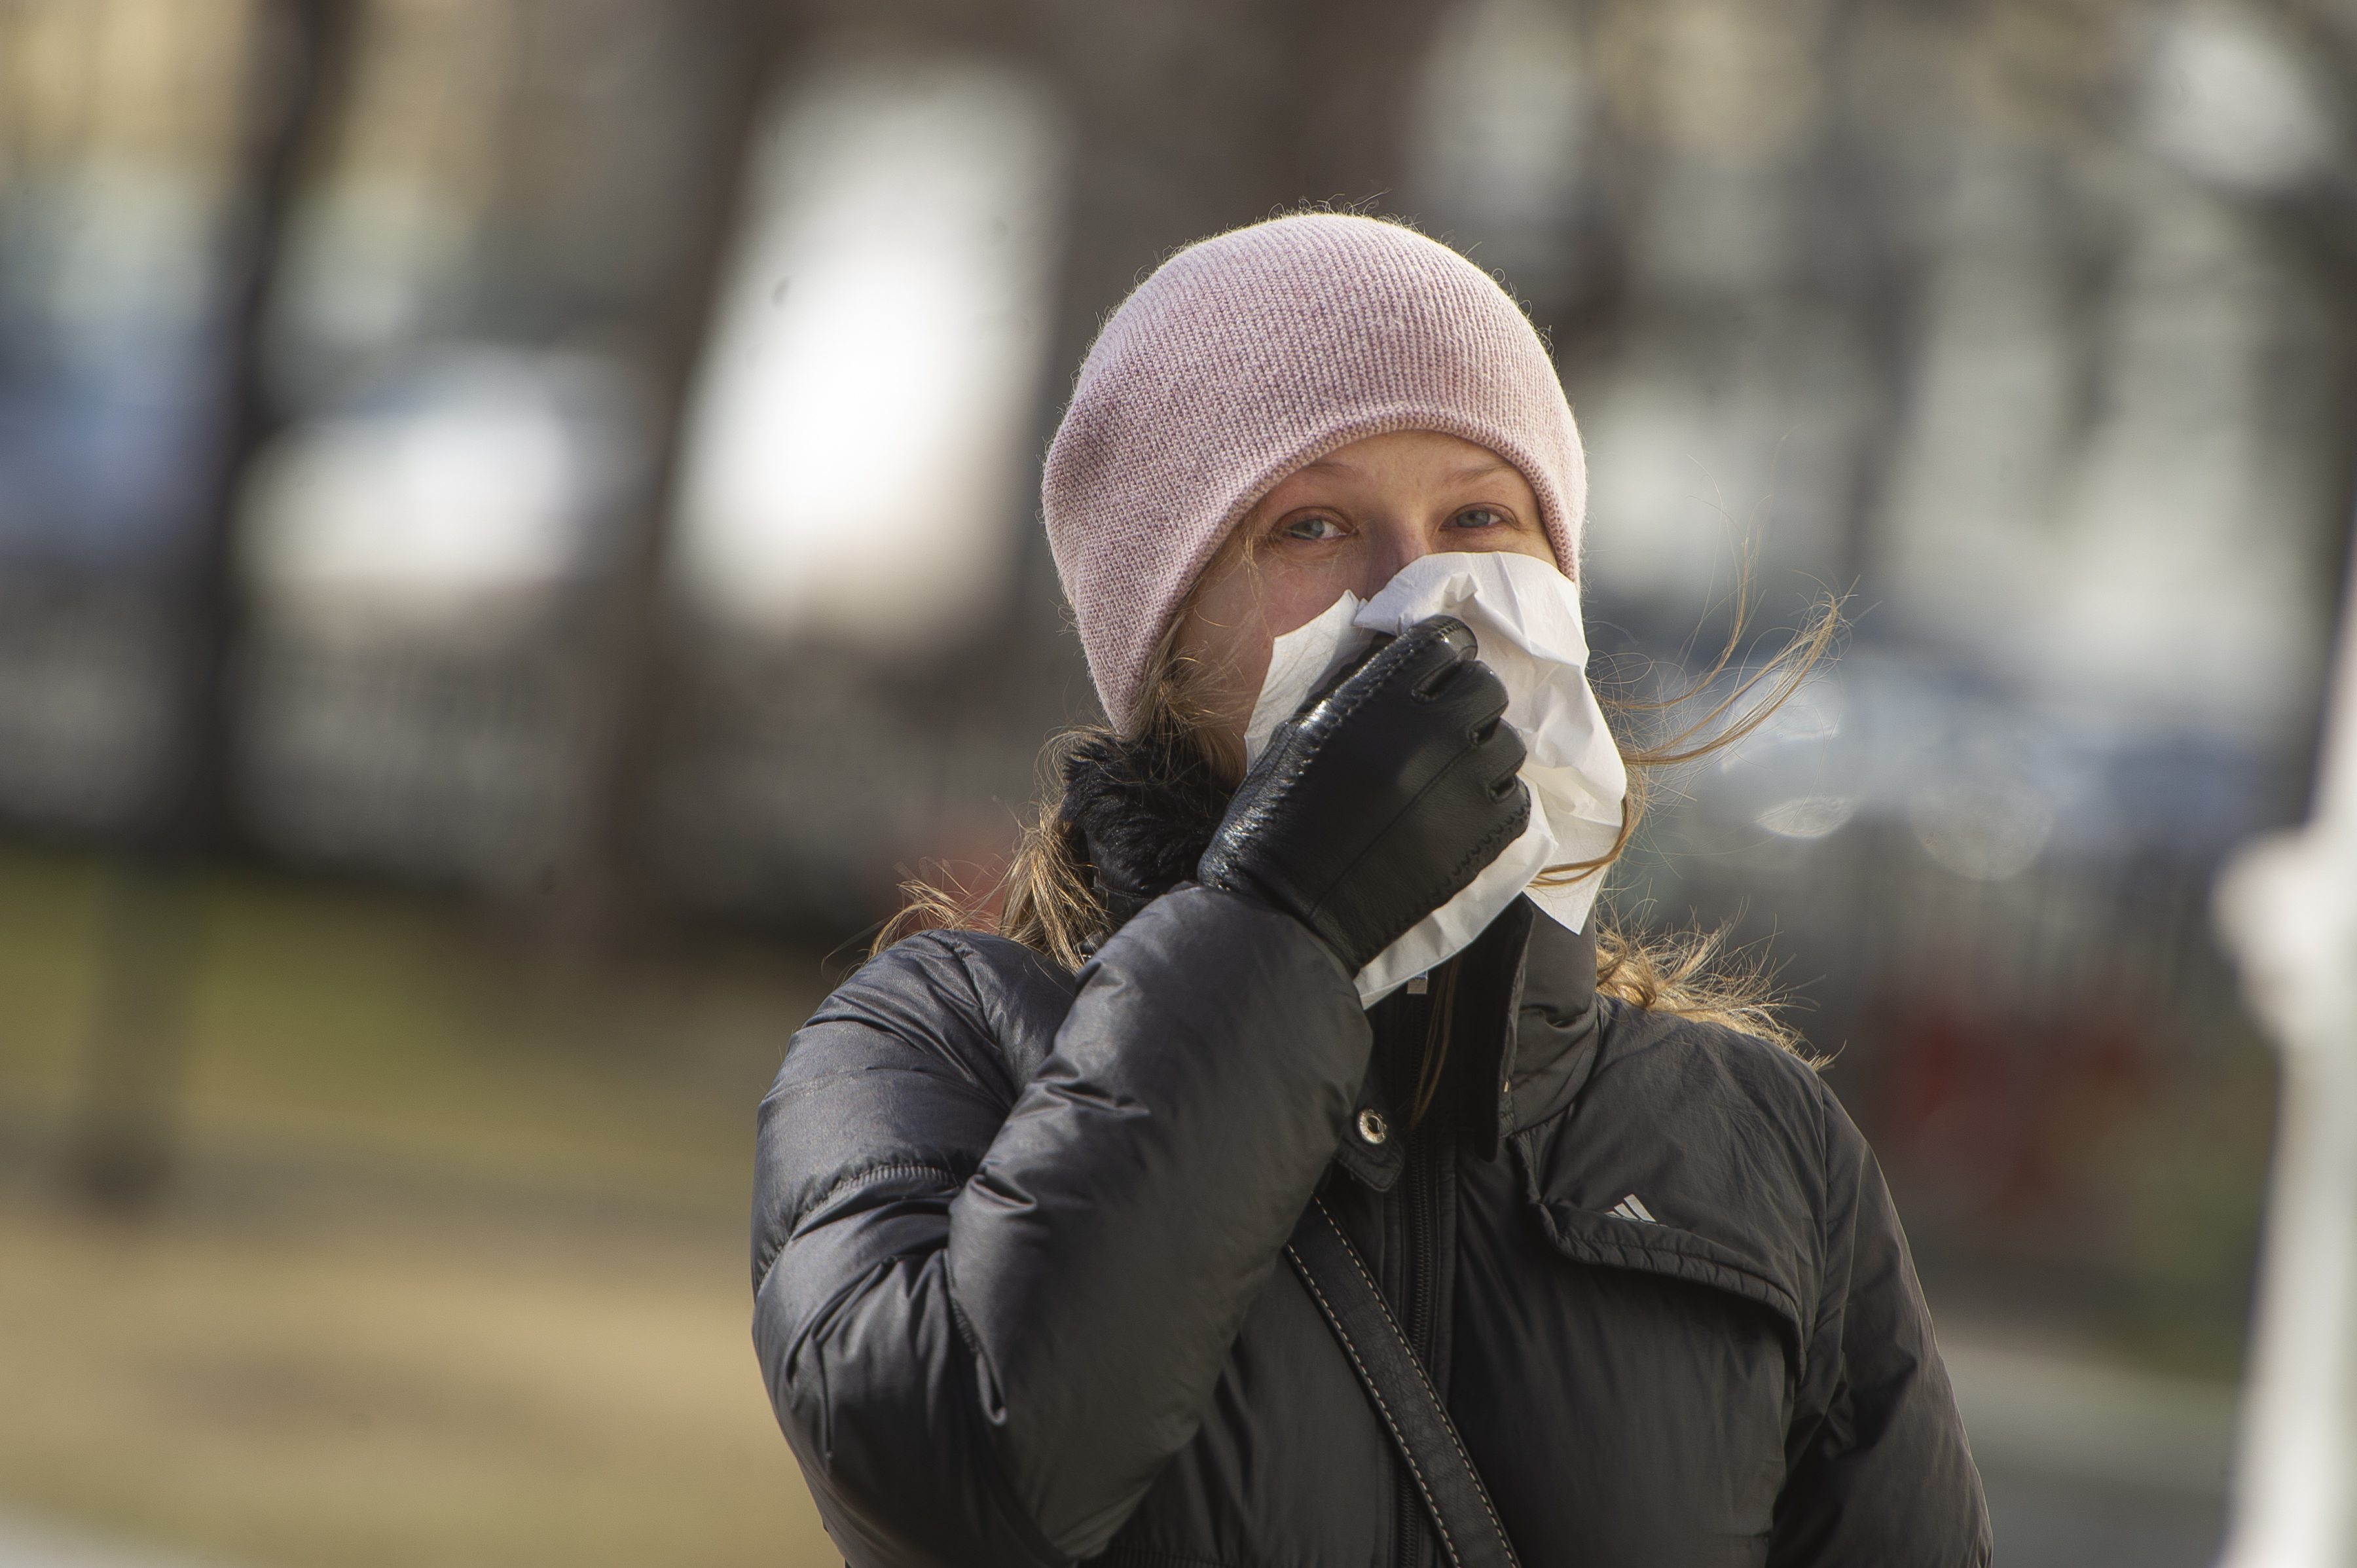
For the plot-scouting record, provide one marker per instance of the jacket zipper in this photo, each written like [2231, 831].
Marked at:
[1417, 1194]
[1418, 1183]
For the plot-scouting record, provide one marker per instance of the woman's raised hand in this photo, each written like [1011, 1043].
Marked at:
[1382, 799]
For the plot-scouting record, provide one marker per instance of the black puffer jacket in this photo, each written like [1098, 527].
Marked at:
[1016, 1238]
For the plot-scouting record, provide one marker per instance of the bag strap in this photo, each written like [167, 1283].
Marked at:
[1403, 1394]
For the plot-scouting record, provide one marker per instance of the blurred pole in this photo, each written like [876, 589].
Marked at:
[2287, 908]
[602, 884]
[134, 1056]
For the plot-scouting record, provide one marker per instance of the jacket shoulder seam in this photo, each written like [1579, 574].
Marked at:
[844, 1188]
[1727, 1040]
[972, 952]
[974, 1000]
[869, 1176]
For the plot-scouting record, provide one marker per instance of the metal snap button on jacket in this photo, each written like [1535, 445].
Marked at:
[1372, 1126]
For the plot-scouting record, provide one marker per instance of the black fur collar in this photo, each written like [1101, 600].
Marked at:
[1144, 812]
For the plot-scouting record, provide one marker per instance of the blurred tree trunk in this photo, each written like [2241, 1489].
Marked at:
[1190, 117]
[296, 52]
[604, 887]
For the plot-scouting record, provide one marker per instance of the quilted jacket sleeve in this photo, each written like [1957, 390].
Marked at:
[989, 1311]
[1878, 1470]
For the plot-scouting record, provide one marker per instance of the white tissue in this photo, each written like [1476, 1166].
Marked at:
[1525, 615]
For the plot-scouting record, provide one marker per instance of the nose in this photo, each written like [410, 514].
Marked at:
[1392, 543]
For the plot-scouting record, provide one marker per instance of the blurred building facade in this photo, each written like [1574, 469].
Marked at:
[643, 515]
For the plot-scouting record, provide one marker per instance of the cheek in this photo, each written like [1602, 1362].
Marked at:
[1295, 599]
[1226, 632]
[1235, 617]
[1537, 547]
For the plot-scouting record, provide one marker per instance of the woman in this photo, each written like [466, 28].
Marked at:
[1031, 1206]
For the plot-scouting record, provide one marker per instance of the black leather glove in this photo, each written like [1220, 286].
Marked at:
[1379, 802]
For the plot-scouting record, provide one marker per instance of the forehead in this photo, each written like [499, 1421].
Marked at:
[1425, 455]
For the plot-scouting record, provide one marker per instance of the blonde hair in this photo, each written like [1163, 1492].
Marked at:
[1045, 898]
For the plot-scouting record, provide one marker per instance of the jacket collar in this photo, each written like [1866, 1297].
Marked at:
[1540, 1042]
[1526, 1040]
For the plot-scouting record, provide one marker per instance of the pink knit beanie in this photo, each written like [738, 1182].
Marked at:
[1252, 353]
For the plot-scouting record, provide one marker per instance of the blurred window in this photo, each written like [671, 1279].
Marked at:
[119, 120]
[461, 490]
[858, 438]
[487, 245]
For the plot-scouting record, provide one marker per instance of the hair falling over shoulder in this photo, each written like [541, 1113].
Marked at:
[1045, 897]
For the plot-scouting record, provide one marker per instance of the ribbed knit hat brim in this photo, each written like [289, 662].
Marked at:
[1248, 354]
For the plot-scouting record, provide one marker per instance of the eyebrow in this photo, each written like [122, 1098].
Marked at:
[1482, 470]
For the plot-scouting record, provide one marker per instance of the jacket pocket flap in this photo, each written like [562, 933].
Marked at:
[1620, 1242]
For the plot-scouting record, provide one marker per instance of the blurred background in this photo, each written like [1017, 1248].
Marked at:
[517, 531]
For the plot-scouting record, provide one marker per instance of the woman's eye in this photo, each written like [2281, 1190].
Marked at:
[1316, 529]
[1481, 517]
